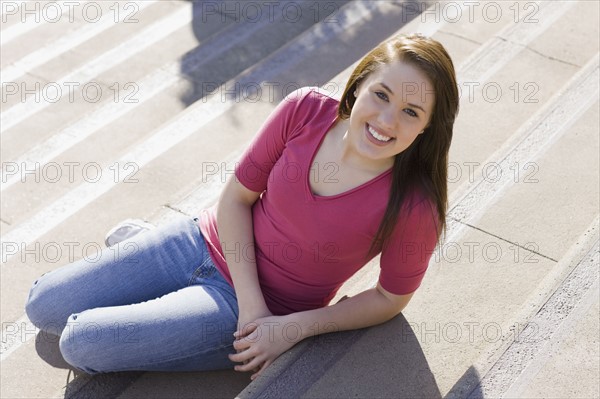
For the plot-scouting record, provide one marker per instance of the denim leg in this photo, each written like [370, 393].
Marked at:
[187, 330]
[145, 267]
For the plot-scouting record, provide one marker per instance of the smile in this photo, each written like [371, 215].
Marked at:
[377, 136]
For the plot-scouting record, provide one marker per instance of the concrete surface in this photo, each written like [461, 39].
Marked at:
[509, 305]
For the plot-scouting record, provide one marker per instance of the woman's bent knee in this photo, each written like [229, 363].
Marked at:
[41, 310]
[94, 343]
[77, 345]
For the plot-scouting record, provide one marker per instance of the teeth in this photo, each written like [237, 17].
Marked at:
[378, 136]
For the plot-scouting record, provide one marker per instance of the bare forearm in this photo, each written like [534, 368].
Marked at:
[234, 223]
[272, 335]
[363, 310]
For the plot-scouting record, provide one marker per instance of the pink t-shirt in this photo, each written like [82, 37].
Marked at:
[307, 245]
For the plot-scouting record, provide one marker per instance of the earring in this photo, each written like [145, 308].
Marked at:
[355, 93]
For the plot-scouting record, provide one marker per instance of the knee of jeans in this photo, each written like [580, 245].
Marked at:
[77, 345]
[40, 309]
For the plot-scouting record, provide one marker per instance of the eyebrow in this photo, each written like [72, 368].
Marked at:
[412, 105]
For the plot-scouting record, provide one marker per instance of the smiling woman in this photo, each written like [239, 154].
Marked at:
[426, 92]
[268, 258]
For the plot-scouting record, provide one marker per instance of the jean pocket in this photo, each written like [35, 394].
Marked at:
[206, 270]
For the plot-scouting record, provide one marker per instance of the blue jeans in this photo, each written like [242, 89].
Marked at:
[153, 302]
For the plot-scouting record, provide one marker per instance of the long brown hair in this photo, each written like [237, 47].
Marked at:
[424, 164]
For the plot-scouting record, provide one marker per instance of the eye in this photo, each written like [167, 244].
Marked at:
[381, 95]
[411, 112]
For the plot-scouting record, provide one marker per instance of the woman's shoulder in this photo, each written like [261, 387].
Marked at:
[421, 209]
[314, 95]
[324, 92]
[310, 105]
[420, 199]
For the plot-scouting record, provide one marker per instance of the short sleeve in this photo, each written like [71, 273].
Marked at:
[405, 260]
[258, 160]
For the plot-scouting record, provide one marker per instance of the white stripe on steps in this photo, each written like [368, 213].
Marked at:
[559, 333]
[485, 62]
[150, 35]
[16, 3]
[15, 334]
[571, 284]
[212, 185]
[52, 50]
[163, 78]
[83, 128]
[527, 143]
[40, 18]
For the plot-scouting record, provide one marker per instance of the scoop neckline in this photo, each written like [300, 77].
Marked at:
[316, 197]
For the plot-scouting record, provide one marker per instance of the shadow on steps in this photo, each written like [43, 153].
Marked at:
[384, 361]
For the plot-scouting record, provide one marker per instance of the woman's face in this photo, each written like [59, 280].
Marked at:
[393, 106]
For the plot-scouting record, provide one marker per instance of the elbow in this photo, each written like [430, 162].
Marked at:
[395, 303]
[388, 308]
[395, 310]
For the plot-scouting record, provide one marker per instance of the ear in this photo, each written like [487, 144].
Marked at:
[425, 128]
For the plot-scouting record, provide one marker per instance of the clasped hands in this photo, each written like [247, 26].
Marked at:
[261, 341]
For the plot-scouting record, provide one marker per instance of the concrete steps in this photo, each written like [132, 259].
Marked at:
[521, 247]
[459, 346]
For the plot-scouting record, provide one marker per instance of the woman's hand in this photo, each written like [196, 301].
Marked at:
[247, 320]
[247, 324]
[263, 342]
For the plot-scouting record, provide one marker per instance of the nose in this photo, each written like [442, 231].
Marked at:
[387, 118]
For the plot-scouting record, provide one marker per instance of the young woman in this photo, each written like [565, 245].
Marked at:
[325, 187]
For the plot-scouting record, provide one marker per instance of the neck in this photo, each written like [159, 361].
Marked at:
[349, 156]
